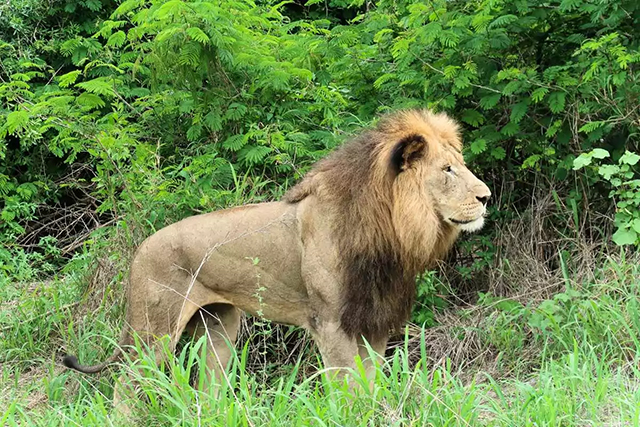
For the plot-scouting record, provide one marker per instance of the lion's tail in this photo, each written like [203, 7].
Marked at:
[71, 362]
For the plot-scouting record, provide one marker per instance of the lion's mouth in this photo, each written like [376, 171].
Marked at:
[459, 222]
[469, 225]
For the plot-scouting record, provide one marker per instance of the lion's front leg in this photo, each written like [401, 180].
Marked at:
[337, 349]
[372, 359]
[324, 283]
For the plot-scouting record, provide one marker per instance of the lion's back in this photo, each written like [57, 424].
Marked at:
[223, 243]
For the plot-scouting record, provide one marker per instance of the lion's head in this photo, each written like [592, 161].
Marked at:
[429, 152]
[398, 196]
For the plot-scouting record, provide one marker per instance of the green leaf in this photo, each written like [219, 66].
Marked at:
[508, 305]
[383, 79]
[278, 79]
[503, 21]
[198, 35]
[186, 105]
[599, 153]
[591, 126]
[569, 5]
[213, 121]
[510, 129]
[619, 78]
[170, 8]
[7, 215]
[194, 132]
[16, 120]
[68, 79]
[629, 158]
[554, 128]
[557, 101]
[69, 46]
[139, 92]
[400, 47]
[450, 71]
[94, 5]
[381, 34]
[531, 161]
[581, 161]
[101, 86]
[606, 171]
[190, 54]
[511, 88]
[498, 153]
[478, 146]
[168, 33]
[448, 101]
[117, 39]
[235, 111]
[234, 142]
[624, 236]
[126, 6]
[539, 94]
[90, 100]
[490, 101]
[253, 154]
[448, 38]
[20, 77]
[518, 111]
[473, 117]
[461, 82]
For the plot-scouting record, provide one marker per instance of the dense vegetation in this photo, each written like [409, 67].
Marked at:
[118, 118]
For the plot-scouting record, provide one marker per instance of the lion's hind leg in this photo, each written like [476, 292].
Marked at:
[218, 324]
[148, 355]
[158, 328]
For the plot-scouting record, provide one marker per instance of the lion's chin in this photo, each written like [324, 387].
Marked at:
[470, 226]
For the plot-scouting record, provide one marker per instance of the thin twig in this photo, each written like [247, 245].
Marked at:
[490, 89]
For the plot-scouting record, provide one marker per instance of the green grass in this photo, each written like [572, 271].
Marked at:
[569, 361]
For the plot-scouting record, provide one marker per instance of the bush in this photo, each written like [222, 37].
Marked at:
[143, 114]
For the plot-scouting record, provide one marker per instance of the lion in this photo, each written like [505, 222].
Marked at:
[337, 256]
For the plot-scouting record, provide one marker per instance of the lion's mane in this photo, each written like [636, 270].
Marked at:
[386, 232]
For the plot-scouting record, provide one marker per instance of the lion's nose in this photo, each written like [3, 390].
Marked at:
[483, 199]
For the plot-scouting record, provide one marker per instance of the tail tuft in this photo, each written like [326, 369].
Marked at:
[71, 362]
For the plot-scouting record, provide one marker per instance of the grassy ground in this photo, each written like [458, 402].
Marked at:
[568, 360]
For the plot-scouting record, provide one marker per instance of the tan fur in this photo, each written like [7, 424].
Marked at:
[338, 256]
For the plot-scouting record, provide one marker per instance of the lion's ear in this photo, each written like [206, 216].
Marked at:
[407, 151]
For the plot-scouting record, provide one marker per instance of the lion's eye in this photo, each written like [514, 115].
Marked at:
[447, 169]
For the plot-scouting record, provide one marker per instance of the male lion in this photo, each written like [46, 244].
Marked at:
[337, 256]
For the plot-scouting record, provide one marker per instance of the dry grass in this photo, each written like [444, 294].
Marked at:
[528, 264]
[534, 256]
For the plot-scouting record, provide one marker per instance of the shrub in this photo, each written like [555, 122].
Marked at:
[141, 114]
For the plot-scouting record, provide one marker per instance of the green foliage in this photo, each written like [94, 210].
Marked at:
[429, 297]
[601, 316]
[624, 180]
